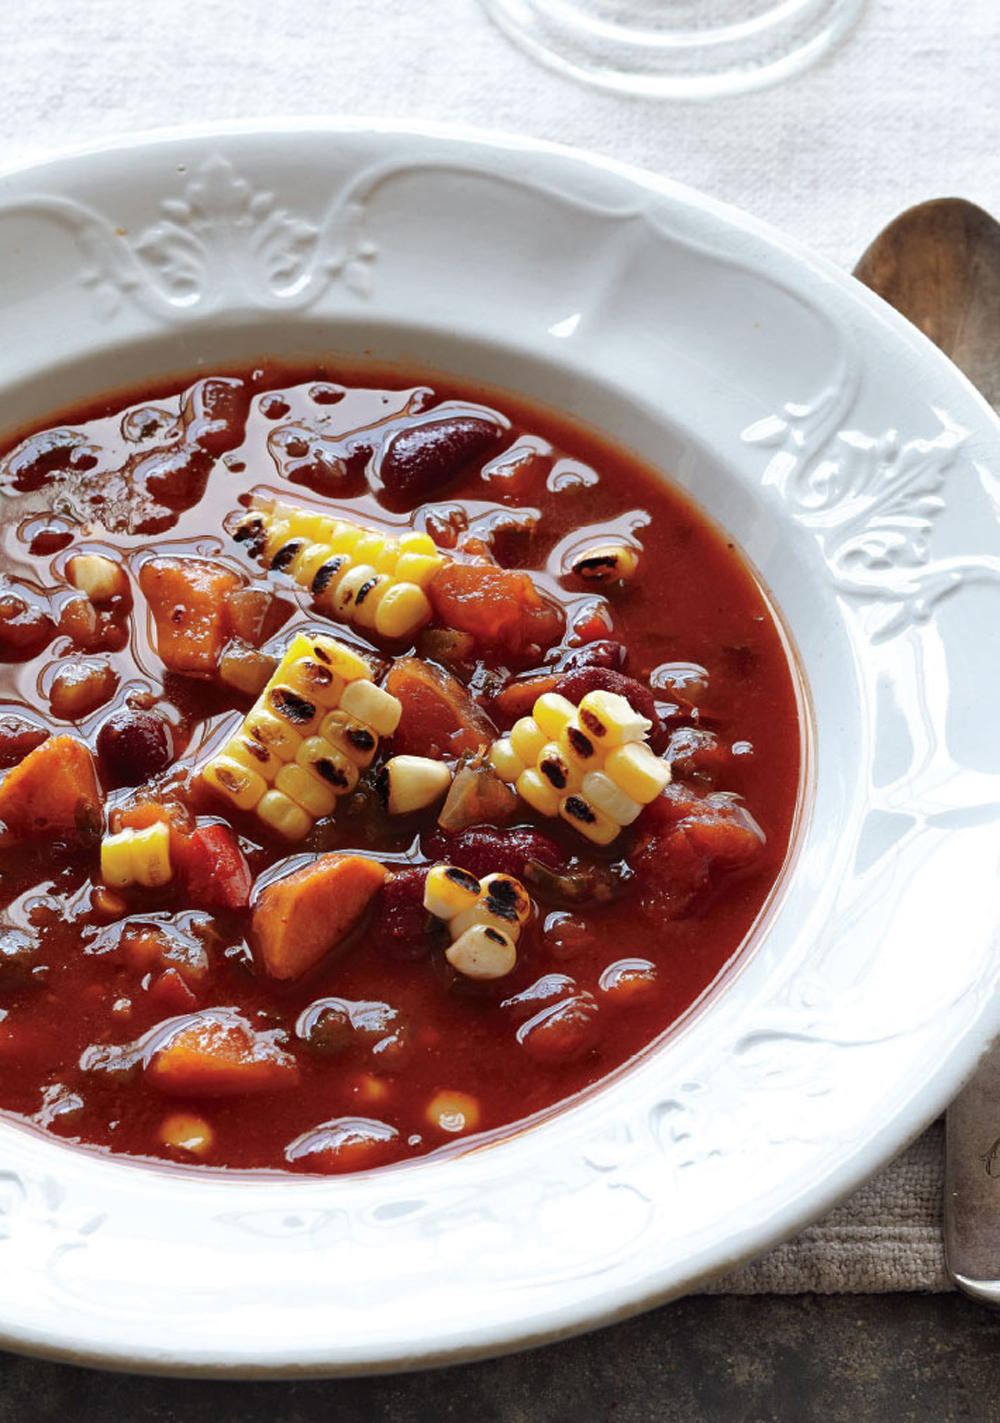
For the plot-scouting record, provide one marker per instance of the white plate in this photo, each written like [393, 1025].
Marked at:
[858, 471]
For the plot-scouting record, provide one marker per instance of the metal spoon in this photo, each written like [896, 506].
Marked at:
[939, 265]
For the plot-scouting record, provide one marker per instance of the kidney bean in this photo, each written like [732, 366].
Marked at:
[562, 1031]
[399, 926]
[214, 412]
[604, 653]
[134, 746]
[417, 462]
[577, 683]
[483, 851]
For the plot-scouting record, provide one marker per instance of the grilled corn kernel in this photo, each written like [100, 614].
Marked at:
[527, 739]
[373, 705]
[357, 576]
[611, 720]
[344, 537]
[388, 558]
[636, 771]
[449, 891]
[610, 799]
[505, 760]
[96, 576]
[552, 712]
[315, 681]
[325, 580]
[276, 534]
[369, 548]
[556, 769]
[590, 821]
[253, 754]
[482, 952]
[341, 659]
[402, 608]
[369, 598]
[605, 562]
[508, 890]
[272, 732]
[305, 789]
[296, 712]
[351, 736]
[282, 814]
[236, 781]
[151, 855]
[116, 859]
[419, 568]
[320, 758]
[482, 914]
[409, 783]
[579, 749]
[542, 797]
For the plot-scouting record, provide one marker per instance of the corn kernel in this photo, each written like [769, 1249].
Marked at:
[388, 558]
[414, 542]
[527, 739]
[316, 681]
[611, 720]
[552, 712]
[116, 859]
[453, 1112]
[329, 763]
[410, 783]
[237, 782]
[506, 889]
[307, 562]
[277, 535]
[636, 771]
[590, 821]
[419, 568]
[185, 1132]
[373, 705]
[578, 748]
[610, 799]
[368, 599]
[350, 586]
[282, 814]
[402, 609]
[556, 769]
[345, 663]
[253, 754]
[482, 952]
[538, 793]
[326, 577]
[449, 891]
[505, 760]
[151, 855]
[298, 713]
[272, 732]
[369, 548]
[305, 789]
[356, 740]
[345, 537]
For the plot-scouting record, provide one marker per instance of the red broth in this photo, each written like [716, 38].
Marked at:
[382, 1051]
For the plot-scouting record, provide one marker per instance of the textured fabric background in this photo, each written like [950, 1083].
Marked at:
[905, 109]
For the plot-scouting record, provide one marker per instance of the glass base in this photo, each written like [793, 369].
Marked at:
[680, 49]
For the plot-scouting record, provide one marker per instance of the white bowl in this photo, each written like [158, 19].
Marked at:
[858, 471]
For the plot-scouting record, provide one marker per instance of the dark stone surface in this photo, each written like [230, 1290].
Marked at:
[723, 1359]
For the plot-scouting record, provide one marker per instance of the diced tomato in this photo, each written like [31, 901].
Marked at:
[214, 867]
[440, 718]
[169, 993]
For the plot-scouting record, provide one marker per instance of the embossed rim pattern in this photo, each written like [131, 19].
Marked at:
[857, 469]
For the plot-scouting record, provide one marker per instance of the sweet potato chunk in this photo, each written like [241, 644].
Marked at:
[439, 718]
[300, 918]
[218, 1054]
[54, 791]
[187, 597]
[500, 607]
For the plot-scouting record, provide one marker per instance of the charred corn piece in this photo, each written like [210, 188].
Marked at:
[137, 857]
[484, 918]
[376, 580]
[482, 952]
[589, 764]
[448, 891]
[300, 746]
[410, 783]
[603, 563]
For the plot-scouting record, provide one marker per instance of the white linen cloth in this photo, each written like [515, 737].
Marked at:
[905, 109]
